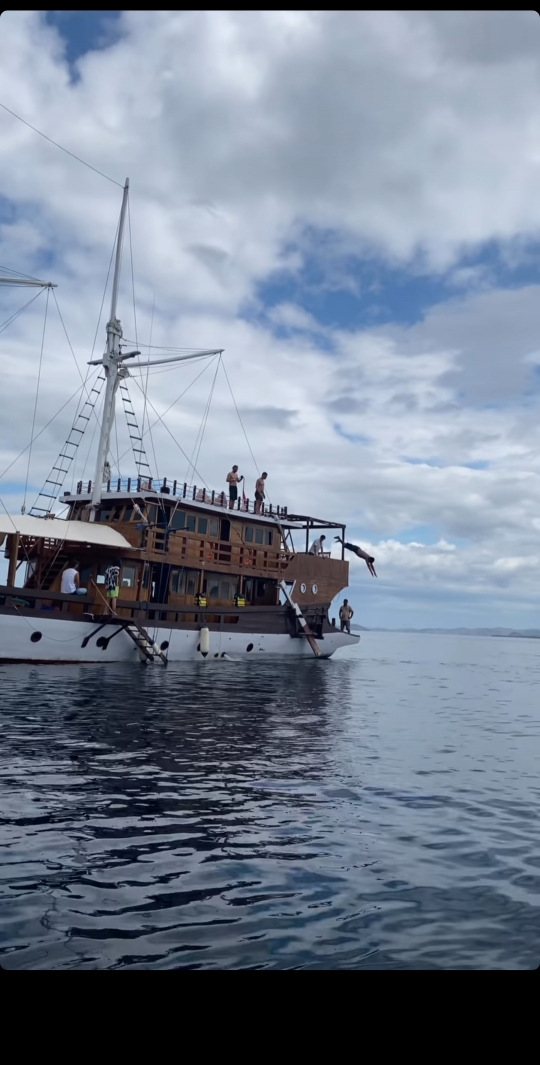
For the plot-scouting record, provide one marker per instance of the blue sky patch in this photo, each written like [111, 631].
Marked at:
[84, 31]
[346, 291]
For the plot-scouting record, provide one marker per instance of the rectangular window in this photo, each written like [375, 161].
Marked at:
[258, 536]
[202, 526]
[149, 512]
[104, 514]
[191, 583]
[129, 574]
[227, 590]
[190, 522]
[213, 587]
[268, 537]
[214, 527]
[178, 520]
[128, 513]
[248, 534]
[184, 582]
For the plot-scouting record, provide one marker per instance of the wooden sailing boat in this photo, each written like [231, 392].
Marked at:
[197, 579]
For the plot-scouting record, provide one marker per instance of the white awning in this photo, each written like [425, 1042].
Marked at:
[75, 532]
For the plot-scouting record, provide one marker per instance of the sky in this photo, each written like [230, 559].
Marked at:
[348, 204]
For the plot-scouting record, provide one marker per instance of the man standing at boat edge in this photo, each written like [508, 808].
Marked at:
[233, 480]
[260, 492]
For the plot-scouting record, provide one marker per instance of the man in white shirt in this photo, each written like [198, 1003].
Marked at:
[70, 580]
[317, 546]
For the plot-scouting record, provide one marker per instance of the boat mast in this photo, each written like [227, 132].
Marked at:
[114, 369]
[112, 366]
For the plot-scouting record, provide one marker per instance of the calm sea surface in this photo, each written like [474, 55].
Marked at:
[376, 811]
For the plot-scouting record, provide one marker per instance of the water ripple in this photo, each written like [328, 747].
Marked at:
[378, 811]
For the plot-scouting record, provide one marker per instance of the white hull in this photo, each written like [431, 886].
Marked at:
[60, 641]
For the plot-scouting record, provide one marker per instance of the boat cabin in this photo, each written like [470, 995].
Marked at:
[179, 546]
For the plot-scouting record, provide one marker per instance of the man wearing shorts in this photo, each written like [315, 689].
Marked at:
[112, 577]
[260, 493]
[233, 480]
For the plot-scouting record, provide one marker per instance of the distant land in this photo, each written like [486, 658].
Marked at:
[531, 634]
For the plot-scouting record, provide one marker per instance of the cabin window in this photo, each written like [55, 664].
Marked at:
[129, 576]
[150, 513]
[178, 520]
[202, 526]
[227, 589]
[248, 534]
[110, 513]
[128, 513]
[190, 522]
[214, 527]
[259, 536]
[191, 583]
[268, 537]
[218, 588]
[184, 582]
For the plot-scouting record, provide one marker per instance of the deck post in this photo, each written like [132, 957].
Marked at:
[13, 553]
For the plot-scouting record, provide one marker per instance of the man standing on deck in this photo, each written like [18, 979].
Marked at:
[346, 612]
[112, 577]
[233, 480]
[317, 546]
[260, 492]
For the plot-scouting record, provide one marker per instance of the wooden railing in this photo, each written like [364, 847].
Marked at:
[178, 490]
[193, 550]
[35, 599]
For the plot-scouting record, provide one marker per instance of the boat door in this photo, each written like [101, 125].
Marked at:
[160, 578]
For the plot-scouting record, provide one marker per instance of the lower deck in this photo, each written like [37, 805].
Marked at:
[30, 631]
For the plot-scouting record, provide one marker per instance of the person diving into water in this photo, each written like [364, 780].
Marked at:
[368, 559]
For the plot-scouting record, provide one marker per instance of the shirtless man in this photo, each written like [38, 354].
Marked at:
[368, 559]
[233, 480]
[260, 493]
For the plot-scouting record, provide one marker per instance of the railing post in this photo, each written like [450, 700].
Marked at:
[185, 490]
[174, 488]
[213, 494]
[194, 491]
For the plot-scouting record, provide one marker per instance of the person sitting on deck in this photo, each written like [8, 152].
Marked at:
[368, 559]
[317, 546]
[260, 492]
[233, 480]
[112, 575]
[70, 584]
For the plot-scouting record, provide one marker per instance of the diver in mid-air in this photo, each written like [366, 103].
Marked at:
[368, 559]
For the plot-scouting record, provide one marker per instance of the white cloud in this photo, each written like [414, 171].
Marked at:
[244, 133]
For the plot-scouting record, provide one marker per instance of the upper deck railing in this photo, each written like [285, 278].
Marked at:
[181, 490]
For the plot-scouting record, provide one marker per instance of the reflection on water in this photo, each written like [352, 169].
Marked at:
[376, 811]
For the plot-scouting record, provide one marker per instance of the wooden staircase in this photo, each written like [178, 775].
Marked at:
[148, 651]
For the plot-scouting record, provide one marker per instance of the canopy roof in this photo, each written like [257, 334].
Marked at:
[79, 532]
